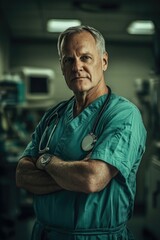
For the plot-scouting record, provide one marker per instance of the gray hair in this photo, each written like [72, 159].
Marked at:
[78, 29]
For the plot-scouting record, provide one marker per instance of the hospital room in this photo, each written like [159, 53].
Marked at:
[64, 64]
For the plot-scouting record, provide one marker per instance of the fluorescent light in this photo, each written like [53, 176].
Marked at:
[145, 27]
[59, 25]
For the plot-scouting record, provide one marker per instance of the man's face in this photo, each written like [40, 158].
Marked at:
[81, 62]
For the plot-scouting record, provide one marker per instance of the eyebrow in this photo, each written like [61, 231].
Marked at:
[81, 54]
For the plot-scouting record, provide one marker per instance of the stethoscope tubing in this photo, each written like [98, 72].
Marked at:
[41, 151]
[101, 111]
[55, 113]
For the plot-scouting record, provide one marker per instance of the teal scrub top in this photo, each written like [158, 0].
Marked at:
[121, 138]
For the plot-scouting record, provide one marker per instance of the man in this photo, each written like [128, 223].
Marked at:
[82, 161]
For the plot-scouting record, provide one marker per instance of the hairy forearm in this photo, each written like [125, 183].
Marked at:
[34, 180]
[69, 175]
[84, 176]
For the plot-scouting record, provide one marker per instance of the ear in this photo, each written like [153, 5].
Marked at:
[105, 61]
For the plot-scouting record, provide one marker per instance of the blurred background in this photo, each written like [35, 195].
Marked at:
[31, 81]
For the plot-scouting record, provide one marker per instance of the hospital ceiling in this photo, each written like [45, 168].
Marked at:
[26, 19]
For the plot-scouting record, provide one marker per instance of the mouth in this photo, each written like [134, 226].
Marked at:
[78, 78]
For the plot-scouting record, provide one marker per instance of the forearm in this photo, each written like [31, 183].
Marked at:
[34, 180]
[68, 175]
[84, 176]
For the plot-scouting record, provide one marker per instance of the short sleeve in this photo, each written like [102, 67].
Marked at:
[32, 149]
[122, 141]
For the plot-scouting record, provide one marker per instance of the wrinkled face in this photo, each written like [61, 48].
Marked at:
[81, 62]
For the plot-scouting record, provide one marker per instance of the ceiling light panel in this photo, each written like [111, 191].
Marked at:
[141, 27]
[59, 25]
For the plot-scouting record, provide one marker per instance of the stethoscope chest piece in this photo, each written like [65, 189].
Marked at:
[88, 142]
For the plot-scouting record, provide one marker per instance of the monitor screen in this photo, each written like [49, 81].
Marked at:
[38, 84]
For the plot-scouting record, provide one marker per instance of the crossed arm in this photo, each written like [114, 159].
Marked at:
[84, 176]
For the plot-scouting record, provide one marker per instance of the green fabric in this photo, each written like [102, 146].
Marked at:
[121, 143]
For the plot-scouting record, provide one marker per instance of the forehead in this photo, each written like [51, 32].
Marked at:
[78, 41]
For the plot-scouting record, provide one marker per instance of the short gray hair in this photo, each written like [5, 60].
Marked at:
[78, 29]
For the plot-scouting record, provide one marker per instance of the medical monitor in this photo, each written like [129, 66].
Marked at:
[39, 83]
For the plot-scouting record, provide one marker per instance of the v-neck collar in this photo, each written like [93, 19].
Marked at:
[92, 108]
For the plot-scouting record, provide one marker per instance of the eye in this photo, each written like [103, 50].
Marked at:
[85, 58]
[67, 60]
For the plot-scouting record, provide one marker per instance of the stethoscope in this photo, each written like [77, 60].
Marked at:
[89, 140]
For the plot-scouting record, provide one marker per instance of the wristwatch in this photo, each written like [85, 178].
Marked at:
[45, 159]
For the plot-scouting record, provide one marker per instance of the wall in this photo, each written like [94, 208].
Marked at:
[40, 55]
[4, 50]
[126, 63]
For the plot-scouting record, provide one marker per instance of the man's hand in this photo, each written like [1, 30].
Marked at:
[38, 163]
[43, 160]
[33, 179]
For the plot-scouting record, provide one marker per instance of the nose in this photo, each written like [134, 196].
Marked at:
[77, 65]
